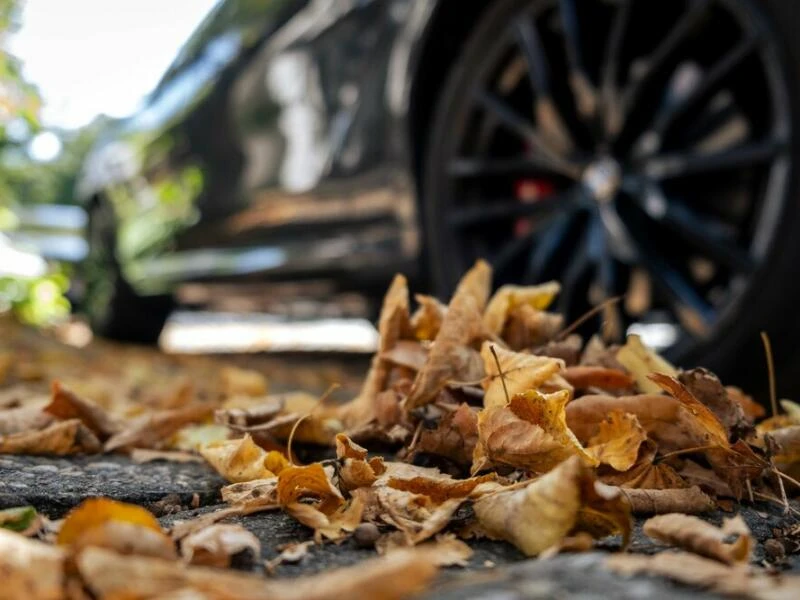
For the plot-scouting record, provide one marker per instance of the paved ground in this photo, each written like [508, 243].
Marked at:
[496, 570]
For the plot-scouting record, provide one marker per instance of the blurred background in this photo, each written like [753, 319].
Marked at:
[68, 72]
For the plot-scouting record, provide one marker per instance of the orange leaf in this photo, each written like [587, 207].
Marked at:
[97, 511]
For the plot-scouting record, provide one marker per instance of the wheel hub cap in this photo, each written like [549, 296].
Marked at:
[602, 179]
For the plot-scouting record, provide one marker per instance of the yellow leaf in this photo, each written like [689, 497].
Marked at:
[618, 440]
[521, 373]
[309, 482]
[509, 297]
[97, 511]
[529, 433]
[30, 568]
[242, 460]
[243, 382]
[641, 361]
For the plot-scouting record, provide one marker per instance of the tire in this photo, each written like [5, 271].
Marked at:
[769, 303]
[113, 308]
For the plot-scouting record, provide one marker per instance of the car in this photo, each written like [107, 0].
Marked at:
[628, 148]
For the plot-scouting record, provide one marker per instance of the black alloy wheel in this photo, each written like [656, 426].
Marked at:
[626, 148]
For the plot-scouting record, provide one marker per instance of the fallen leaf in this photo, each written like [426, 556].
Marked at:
[311, 484]
[667, 421]
[449, 551]
[67, 405]
[243, 460]
[529, 433]
[216, 545]
[618, 440]
[427, 319]
[96, 511]
[508, 297]
[690, 500]
[787, 444]
[355, 470]
[291, 554]
[406, 353]
[698, 536]
[193, 437]
[450, 359]
[647, 473]
[439, 490]
[259, 492]
[552, 502]
[521, 373]
[30, 568]
[154, 430]
[126, 538]
[736, 465]
[527, 326]
[707, 388]
[332, 525]
[732, 580]
[243, 382]
[454, 437]
[750, 407]
[23, 419]
[59, 439]
[398, 575]
[584, 377]
[641, 362]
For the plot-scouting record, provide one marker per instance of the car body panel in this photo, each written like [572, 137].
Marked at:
[281, 123]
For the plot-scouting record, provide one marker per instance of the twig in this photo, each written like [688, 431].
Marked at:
[500, 372]
[773, 396]
[319, 401]
[585, 317]
[686, 451]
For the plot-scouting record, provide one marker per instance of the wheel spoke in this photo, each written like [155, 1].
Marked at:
[511, 250]
[582, 88]
[547, 116]
[675, 165]
[526, 132]
[704, 235]
[612, 114]
[664, 54]
[547, 245]
[471, 216]
[671, 112]
[486, 167]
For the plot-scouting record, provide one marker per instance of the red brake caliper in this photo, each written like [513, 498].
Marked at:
[530, 191]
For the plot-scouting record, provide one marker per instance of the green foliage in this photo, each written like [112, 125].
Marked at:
[36, 300]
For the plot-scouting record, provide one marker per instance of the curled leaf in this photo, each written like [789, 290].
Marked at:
[641, 361]
[508, 297]
[59, 439]
[657, 502]
[216, 545]
[698, 536]
[243, 460]
[618, 440]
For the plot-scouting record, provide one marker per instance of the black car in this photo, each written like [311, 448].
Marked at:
[645, 148]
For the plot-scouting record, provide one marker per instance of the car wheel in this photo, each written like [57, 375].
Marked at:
[113, 308]
[635, 149]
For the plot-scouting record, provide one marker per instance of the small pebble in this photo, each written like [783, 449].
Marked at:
[366, 535]
[774, 550]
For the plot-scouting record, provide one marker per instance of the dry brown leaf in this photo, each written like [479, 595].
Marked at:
[291, 554]
[23, 419]
[60, 438]
[527, 326]
[733, 580]
[583, 377]
[698, 536]
[332, 526]
[439, 490]
[125, 538]
[449, 359]
[750, 407]
[668, 422]
[690, 500]
[243, 460]
[618, 440]
[454, 437]
[787, 444]
[647, 473]
[30, 568]
[406, 353]
[707, 388]
[243, 382]
[216, 545]
[641, 361]
[155, 429]
[716, 434]
[449, 551]
[97, 511]
[427, 319]
[705, 479]
[553, 502]
[521, 373]
[736, 466]
[308, 483]
[180, 529]
[111, 576]
[529, 433]
[259, 492]
[67, 405]
[393, 325]
[568, 349]
[508, 297]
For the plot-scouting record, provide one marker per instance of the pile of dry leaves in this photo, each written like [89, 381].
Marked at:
[529, 436]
